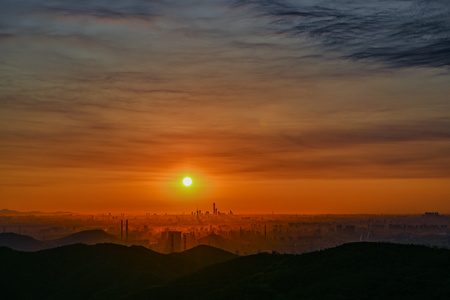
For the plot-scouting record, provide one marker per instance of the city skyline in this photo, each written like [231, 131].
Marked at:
[308, 107]
[239, 234]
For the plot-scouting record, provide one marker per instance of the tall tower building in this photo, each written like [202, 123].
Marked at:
[126, 230]
[214, 208]
[121, 230]
[173, 241]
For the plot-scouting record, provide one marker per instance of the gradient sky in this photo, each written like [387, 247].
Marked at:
[288, 106]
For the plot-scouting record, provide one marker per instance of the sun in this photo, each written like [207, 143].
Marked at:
[187, 181]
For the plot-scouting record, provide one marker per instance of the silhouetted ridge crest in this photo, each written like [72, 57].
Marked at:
[19, 242]
[350, 271]
[201, 250]
[27, 243]
[86, 237]
[202, 256]
[108, 270]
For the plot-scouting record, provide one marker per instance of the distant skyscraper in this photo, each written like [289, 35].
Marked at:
[121, 229]
[126, 230]
[174, 241]
[214, 208]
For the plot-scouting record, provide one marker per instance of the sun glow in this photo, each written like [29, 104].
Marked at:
[187, 181]
[185, 184]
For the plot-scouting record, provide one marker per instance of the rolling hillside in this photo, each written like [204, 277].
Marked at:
[96, 271]
[350, 271]
[25, 243]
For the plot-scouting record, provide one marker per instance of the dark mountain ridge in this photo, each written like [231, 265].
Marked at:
[90, 237]
[19, 242]
[11, 212]
[351, 271]
[25, 243]
[95, 271]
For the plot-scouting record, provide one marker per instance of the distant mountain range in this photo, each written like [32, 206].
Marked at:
[25, 243]
[108, 271]
[9, 212]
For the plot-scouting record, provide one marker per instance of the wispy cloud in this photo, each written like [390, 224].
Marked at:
[237, 87]
[397, 33]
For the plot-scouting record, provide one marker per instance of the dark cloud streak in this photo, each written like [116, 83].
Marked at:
[397, 33]
[371, 151]
[83, 87]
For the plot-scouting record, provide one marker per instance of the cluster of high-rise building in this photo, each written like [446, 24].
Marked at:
[241, 233]
[215, 212]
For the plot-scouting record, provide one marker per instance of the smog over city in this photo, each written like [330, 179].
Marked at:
[224, 149]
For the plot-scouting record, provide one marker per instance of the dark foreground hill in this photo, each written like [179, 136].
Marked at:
[351, 271]
[95, 271]
[20, 242]
[25, 243]
[90, 237]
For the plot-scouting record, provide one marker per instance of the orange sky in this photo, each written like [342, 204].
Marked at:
[105, 108]
[302, 196]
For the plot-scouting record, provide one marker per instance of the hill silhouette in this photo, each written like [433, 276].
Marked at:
[350, 271]
[19, 242]
[89, 237]
[10, 212]
[26, 243]
[201, 256]
[95, 271]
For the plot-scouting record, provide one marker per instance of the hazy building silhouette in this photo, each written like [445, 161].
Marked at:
[349, 229]
[184, 241]
[173, 241]
[431, 214]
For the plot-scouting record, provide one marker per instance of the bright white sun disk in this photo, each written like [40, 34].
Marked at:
[187, 181]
